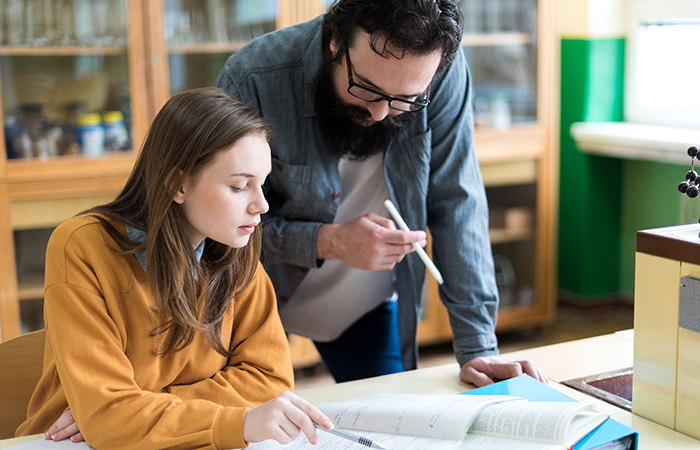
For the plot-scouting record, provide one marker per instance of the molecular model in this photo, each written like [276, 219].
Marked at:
[691, 185]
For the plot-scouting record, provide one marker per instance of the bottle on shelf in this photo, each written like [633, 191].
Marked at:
[116, 137]
[499, 112]
[69, 142]
[31, 134]
[91, 134]
[124, 105]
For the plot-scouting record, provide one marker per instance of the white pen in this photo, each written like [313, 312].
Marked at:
[424, 256]
[353, 437]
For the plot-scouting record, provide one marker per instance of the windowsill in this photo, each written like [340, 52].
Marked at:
[635, 141]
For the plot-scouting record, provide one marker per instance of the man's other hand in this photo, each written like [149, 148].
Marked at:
[485, 370]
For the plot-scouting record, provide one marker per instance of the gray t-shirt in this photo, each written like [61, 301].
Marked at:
[333, 296]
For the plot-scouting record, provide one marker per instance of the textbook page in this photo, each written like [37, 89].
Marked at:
[431, 416]
[398, 421]
[563, 423]
[483, 442]
[328, 441]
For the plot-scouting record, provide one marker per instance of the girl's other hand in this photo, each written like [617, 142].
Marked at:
[282, 418]
[65, 427]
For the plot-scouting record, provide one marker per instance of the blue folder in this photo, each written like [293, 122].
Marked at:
[527, 387]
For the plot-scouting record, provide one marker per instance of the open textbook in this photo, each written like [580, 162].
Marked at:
[437, 422]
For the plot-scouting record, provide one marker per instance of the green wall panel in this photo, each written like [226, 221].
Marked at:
[590, 186]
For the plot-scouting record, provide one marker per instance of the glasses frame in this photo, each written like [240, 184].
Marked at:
[380, 97]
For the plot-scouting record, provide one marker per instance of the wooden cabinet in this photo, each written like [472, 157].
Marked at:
[511, 46]
[47, 75]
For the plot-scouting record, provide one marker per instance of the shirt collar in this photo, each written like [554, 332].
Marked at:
[139, 236]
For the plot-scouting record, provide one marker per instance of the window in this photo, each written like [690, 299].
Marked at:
[662, 86]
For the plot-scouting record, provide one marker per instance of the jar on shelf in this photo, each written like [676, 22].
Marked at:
[116, 136]
[34, 136]
[499, 109]
[91, 134]
[69, 141]
[17, 141]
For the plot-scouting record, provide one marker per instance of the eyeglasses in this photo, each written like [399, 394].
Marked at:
[370, 95]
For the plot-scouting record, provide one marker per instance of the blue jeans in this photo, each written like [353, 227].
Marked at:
[370, 347]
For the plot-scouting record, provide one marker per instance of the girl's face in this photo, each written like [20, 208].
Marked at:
[225, 200]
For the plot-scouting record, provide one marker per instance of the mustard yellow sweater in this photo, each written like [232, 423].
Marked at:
[99, 359]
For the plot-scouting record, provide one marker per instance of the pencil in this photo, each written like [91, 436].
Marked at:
[424, 256]
[353, 437]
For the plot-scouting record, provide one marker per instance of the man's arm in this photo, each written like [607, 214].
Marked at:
[458, 220]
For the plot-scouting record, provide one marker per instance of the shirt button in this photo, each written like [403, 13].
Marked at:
[303, 269]
[283, 299]
[336, 195]
[279, 166]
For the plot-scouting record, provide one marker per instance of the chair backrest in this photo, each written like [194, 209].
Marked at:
[21, 360]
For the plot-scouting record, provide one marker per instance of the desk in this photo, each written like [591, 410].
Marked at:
[560, 361]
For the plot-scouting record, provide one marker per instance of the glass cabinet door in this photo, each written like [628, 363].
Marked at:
[509, 46]
[500, 42]
[201, 35]
[65, 78]
[73, 101]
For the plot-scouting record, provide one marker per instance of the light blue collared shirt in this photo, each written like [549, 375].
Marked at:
[139, 236]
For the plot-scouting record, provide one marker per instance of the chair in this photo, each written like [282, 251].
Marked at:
[21, 360]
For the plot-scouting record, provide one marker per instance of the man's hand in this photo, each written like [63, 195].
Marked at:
[368, 242]
[282, 418]
[485, 370]
[64, 427]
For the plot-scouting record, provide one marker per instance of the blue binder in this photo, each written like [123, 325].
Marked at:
[527, 387]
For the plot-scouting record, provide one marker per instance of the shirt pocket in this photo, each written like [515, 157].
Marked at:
[286, 186]
[411, 158]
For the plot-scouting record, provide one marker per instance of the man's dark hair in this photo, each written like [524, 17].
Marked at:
[418, 27]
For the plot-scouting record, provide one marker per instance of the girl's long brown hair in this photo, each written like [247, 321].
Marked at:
[187, 133]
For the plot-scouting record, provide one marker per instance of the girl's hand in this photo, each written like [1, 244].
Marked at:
[64, 427]
[282, 418]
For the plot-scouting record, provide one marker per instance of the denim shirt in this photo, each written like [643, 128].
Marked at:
[430, 168]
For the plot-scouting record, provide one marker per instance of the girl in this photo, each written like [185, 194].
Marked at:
[161, 324]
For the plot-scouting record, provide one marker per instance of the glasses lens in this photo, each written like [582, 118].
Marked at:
[394, 103]
[406, 106]
[363, 94]
[403, 106]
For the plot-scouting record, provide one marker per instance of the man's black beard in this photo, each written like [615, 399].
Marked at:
[339, 130]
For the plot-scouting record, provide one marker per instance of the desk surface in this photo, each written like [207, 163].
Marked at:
[560, 361]
[583, 357]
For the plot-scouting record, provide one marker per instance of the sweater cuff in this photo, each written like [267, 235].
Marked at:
[228, 428]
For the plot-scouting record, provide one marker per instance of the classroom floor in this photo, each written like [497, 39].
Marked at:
[572, 323]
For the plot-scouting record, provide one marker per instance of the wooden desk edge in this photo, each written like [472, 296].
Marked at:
[7, 443]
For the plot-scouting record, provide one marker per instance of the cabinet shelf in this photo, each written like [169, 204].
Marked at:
[496, 39]
[31, 286]
[62, 50]
[67, 167]
[517, 316]
[508, 235]
[206, 48]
